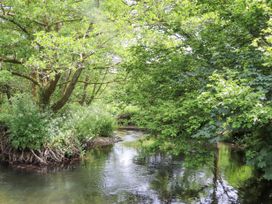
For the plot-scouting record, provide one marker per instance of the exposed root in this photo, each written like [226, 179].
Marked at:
[39, 158]
[44, 157]
[48, 156]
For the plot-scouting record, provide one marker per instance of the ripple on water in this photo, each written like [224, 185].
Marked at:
[115, 175]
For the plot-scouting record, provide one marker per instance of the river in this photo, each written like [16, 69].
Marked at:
[120, 174]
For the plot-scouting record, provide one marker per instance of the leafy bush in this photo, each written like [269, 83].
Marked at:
[234, 106]
[27, 125]
[33, 129]
[89, 122]
[244, 115]
[127, 115]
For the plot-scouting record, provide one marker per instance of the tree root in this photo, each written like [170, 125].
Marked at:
[43, 157]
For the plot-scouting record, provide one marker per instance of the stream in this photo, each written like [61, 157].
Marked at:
[120, 174]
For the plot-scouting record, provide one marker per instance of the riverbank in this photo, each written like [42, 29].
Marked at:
[48, 157]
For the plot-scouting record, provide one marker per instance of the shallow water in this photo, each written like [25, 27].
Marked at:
[120, 174]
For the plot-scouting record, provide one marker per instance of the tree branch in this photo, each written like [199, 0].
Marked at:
[47, 92]
[92, 83]
[67, 21]
[70, 88]
[10, 60]
[26, 77]
[15, 23]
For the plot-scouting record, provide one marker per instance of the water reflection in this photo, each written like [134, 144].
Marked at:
[121, 174]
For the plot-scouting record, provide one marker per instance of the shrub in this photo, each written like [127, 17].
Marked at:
[33, 129]
[89, 122]
[27, 125]
[126, 115]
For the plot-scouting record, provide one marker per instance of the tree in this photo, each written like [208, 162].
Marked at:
[55, 45]
[199, 72]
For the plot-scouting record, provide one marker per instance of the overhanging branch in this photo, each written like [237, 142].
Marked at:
[10, 60]
[22, 28]
[26, 77]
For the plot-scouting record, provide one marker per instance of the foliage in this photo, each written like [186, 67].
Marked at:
[92, 122]
[259, 150]
[77, 126]
[33, 129]
[27, 125]
[199, 72]
[57, 55]
[234, 106]
[57, 51]
[126, 115]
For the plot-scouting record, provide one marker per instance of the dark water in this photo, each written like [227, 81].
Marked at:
[118, 175]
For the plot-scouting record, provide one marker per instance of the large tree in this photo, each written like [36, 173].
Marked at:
[52, 46]
[200, 70]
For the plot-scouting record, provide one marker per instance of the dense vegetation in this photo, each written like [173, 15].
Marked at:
[54, 53]
[200, 73]
[190, 72]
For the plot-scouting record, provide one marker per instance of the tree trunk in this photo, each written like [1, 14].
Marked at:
[33, 86]
[47, 93]
[97, 3]
[8, 93]
[84, 95]
[69, 90]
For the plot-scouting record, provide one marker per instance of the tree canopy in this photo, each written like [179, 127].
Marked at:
[55, 47]
[200, 71]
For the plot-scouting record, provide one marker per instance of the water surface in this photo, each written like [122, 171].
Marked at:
[120, 174]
